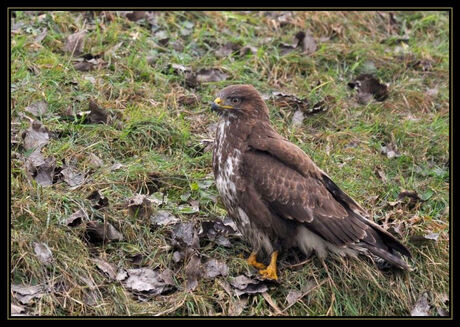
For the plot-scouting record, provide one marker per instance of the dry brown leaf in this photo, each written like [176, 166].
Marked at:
[213, 268]
[75, 42]
[163, 218]
[369, 86]
[26, 293]
[36, 137]
[99, 201]
[140, 206]
[37, 108]
[106, 267]
[42, 170]
[421, 307]
[98, 232]
[76, 218]
[72, 177]
[193, 272]
[43, 253]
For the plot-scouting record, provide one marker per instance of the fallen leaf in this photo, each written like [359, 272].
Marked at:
[136, 15]
[306, 42]
[424, 64]
[186, 28]
[95, 161]
[163, 218]
[75, 42]
[116, 166]
[43, 253]
[214, 268]
[178, 256]
[159, 198]
[106, 267]
[293, 296]
[162, 37]
[237, 306]
[83, 66]
[42, 170]
[193, 207]
[390, 150]
[188, 100]
[37, 108]
[244, 285]
[72, 177]
[122, 274]
[98, 232]
[140, 206]
[369, 86]
[285, 48]
[217, 232]
[76, 218]
[193, 272]
[424, 238]
[185, 235]
[297, 118]
[99, 200]
[210, 75]
[248, 49]
[412, 195]
[36, 137]
[136, 259]
[97, 114]
[146, 282]
[17, 310]
[26, 293]
[227, 49]
[381, 174]
[91, 297]
[421, 307]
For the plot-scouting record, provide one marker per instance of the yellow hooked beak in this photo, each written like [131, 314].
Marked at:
[217, 104]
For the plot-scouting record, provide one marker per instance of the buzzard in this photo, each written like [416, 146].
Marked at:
[279, 198]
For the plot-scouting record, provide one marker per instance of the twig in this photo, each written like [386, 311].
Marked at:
[269, 299]
[171, 309]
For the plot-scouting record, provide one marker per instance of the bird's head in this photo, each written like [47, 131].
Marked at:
[241, 101]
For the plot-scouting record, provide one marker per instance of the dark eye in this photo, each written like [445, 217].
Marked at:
[235, 100]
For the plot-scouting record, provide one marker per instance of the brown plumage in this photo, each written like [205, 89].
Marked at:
[277, 195]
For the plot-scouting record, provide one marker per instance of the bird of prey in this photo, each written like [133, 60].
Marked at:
[279, 198]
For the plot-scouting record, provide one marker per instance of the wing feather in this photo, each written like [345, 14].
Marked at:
[296, 189]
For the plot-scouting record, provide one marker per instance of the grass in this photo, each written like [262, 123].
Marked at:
[158, 142]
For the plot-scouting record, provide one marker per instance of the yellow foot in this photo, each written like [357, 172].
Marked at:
[270, 271]
[252, 260]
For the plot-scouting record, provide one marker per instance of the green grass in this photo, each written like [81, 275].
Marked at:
[157, 136]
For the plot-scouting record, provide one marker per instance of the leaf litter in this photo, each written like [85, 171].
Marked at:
[99, 201]
[140, 206]
[75, 42]
[43, 253]
[369, 87]
[245, 285]
[26, 293]
[146, 283]
[99, 232]
[76, 218]
[36, 137]
[37, 108]
[421, 307]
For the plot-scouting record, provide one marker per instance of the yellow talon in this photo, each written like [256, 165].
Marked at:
[270, 271]
[252, 260]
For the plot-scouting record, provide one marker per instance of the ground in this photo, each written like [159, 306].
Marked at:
[149, 77]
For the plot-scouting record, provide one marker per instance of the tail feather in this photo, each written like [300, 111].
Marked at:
[393, 258]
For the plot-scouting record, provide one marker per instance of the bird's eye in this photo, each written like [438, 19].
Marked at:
[235, 100]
